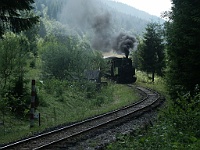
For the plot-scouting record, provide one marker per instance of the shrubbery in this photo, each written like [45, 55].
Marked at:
[68, 58]
[177, 128]
[14, 51]
[60, 62]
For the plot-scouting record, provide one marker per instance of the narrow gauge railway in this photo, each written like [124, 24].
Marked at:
[60, 138]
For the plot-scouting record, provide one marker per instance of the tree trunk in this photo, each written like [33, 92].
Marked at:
[153, 75]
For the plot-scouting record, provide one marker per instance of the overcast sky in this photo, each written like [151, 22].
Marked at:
[153, 7]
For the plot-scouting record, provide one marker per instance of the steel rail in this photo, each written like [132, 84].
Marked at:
[57, 136]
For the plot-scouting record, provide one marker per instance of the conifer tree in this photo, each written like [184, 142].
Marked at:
[15, 15]
[183, 38]
[151, 51]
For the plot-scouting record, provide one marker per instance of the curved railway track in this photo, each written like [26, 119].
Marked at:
[60, 138]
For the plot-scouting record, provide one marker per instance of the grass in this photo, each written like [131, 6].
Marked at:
[159, 83]
[60, 106]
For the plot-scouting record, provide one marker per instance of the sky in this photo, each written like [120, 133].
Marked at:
[153, 7]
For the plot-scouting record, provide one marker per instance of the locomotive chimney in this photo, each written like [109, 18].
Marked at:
[126, 51]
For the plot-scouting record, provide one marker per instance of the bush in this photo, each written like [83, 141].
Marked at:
[177, 128]
[13, 59]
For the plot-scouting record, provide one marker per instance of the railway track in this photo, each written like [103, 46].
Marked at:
[60, 138]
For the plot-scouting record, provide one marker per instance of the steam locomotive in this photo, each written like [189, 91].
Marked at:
[120, 70]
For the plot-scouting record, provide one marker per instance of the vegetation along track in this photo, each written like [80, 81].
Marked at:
[64, 136]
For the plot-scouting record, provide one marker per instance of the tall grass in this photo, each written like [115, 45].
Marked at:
[159, 84]
[62, 102]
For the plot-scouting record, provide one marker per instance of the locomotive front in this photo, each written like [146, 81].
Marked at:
[121, 70]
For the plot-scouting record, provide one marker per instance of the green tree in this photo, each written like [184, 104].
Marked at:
[151, 51]
[68, 57]
[13, 58]
[54, 7]
[183, 36]
[14, 15]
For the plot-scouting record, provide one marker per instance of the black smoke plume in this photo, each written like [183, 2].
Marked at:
[86, 16]
[123, 43]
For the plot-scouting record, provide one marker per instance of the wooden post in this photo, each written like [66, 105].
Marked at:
[32, 111]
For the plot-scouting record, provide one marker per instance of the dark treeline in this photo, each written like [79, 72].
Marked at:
[183, 47]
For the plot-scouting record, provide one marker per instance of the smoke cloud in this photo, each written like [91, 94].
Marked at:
[78, 13]
[102, 38]
[123, 43]
[86, 16]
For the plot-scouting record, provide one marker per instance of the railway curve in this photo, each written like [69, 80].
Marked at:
[62, 137]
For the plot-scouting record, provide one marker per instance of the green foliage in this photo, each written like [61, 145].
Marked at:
[14, 16]
[68, 58]
[66, 102]
[55, 57]
[151, 51]
[185, 116]
[13, 59]
[183, 37]
[177, 128]
[54, 7]
[146, 79]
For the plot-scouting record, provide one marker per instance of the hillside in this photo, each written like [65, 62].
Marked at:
[80, 15]
[126, 9]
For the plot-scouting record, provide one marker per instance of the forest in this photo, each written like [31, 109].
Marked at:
[55, 41]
